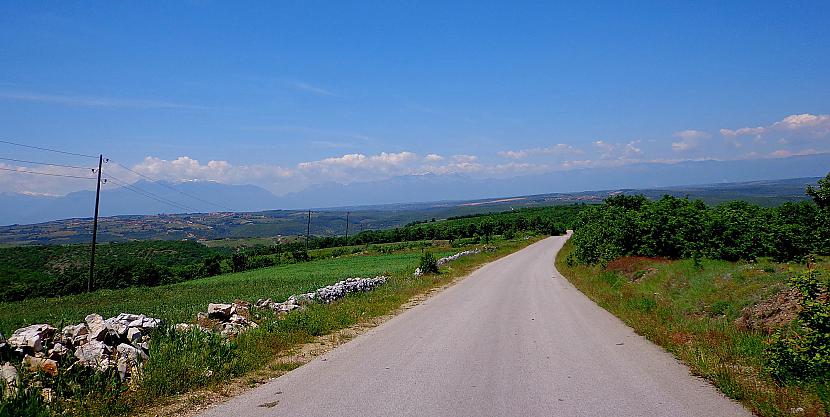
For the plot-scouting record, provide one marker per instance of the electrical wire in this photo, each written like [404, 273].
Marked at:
[48, 149]
[23, 171]
[172, 188]
[149, 194]
[47, 163]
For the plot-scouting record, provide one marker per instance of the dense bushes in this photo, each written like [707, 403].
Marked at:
[543, 220]
[802, 351]
[680, 228]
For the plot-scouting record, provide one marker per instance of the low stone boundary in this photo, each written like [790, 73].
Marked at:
[450, 258]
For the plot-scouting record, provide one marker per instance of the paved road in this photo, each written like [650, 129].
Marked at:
[513, 339]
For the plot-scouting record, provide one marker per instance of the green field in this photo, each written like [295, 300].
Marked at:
[180, 302]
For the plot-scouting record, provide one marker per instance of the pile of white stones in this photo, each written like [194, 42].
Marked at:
[119, 342]
[122, 342]
[226, 319]
[450, 258]
[339, 290]
[325, 294]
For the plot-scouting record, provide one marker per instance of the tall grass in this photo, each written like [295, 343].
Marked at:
[689, 308]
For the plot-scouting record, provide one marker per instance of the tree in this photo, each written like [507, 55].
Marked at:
[239, 262]
[821, 195]
[213, 266]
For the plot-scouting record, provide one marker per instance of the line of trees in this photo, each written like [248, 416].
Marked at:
[681, 228]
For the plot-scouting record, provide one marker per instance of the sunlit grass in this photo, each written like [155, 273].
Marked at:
[690, 310]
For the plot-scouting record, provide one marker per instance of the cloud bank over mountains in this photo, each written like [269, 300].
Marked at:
[797, 134]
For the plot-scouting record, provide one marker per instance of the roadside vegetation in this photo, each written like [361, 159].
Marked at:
[738, 292]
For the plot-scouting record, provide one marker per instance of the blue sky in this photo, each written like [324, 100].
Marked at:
[287, 94]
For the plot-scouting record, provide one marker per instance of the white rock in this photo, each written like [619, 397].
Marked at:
[93, 354]
[9, 377]
[130, 352]
[36, 364]
[98, 328]
[116, 326]
[182, 327]
[133, 335]
[58, 351]
[73, 332]
[150, 323]
[220, 311]
[31, 339]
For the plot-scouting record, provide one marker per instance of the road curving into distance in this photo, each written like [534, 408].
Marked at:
[513, 339]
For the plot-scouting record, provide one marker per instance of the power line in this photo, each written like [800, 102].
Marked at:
[172, 188]
[46, 163]
[22, 171]
[48, 149]
[150, 195]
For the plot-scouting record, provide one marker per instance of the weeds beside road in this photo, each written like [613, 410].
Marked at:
[690, 307]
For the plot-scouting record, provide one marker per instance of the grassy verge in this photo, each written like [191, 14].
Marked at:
[182, 362]
[690, 310]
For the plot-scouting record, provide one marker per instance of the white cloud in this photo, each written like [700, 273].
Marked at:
[631, 149]
[621, 151]
[806, 124]
[558, 149]
[433, 158]
[744, 131]
[783, 153]
[309, 88]
[605, 148]
[467, 159]
[689, 139]
[805, 121]
[691, 134]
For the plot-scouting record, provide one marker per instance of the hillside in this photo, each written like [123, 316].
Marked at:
[332, 221]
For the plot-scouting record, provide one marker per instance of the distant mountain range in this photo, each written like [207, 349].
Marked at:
[272, 224]
[203, 197]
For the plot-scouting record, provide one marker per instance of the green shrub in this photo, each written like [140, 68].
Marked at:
[429, 265]
[802, 352]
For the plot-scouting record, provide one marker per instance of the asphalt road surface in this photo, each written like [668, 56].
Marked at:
[512, 339]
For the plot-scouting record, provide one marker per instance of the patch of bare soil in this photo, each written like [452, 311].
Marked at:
[635, 267]
[771, 314]
[194, 402]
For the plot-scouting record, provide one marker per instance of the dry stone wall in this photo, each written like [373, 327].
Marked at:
[450, 258]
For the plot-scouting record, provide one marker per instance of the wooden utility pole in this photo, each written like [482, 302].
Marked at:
[308, 231]
[347, 228]
[95, 226]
